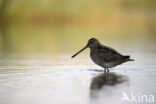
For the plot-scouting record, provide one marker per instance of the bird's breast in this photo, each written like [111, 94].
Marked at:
[94, 57]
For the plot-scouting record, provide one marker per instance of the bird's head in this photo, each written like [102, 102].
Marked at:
[93, 42]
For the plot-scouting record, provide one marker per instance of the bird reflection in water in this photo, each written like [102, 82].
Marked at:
[105, 79]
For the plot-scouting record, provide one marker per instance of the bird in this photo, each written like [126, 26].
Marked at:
[104, 56]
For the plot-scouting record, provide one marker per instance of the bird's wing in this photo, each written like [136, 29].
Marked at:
[108, 54]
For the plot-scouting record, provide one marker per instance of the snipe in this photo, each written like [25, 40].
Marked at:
[104, 56]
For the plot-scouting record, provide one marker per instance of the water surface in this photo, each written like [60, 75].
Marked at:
[48, 79]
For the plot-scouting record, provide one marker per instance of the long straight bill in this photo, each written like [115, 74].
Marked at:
[79, 51]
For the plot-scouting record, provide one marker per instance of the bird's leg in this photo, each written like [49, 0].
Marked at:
[107, 70]
[104, 70]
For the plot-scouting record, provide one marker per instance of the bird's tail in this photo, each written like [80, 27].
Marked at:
[128, 58]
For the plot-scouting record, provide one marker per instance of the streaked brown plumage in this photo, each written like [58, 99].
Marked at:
[104, 56]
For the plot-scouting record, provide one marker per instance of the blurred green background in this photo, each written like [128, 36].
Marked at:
[64, 26]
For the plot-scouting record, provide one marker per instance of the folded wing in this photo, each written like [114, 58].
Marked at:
[108, 54]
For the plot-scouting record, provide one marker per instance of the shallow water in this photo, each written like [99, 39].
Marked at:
[58, 28]
[47, 79]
